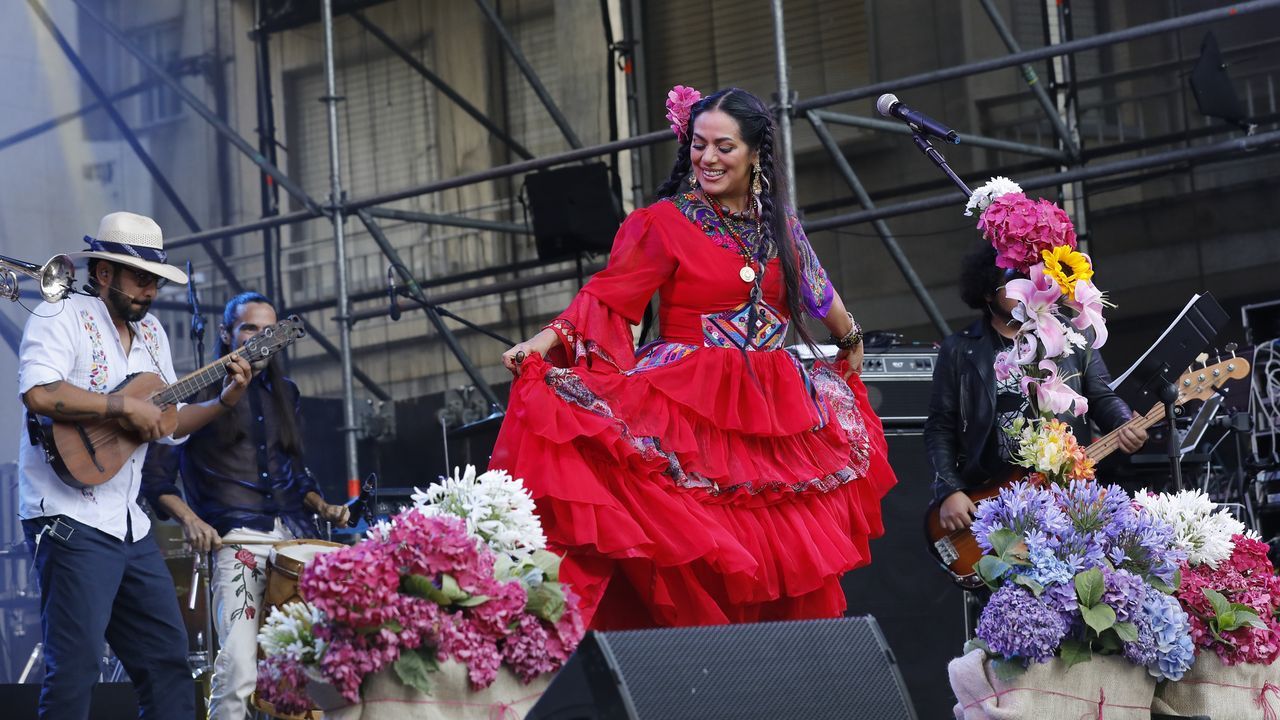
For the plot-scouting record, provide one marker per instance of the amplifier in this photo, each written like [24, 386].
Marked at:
[899, 380]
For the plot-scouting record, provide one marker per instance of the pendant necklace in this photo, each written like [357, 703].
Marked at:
[747, 273]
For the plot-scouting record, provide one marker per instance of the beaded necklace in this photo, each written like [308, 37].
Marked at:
[748, 272]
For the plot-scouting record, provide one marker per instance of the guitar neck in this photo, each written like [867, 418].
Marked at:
[189, 384]
[1108, 443]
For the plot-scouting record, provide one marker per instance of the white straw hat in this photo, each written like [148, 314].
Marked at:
[133, 240]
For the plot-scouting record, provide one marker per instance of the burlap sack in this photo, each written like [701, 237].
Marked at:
[451, 698]
[1221, 691]
[1105, 687]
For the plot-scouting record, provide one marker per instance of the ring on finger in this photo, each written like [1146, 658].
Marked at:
[520, 356]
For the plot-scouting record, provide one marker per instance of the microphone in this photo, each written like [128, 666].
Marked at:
[197, 320]
[92, 291]
[393, 293]
[889, 106]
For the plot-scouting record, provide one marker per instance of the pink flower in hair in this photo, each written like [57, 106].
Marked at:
[679, 103]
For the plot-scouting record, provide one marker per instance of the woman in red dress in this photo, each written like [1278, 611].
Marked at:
[706, 478]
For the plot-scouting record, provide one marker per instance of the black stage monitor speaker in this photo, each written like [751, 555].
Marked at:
[810, 669]
[110, 701]
[1215, 95]
[575, 209]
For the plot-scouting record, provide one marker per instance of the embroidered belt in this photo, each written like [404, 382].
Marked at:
[729, 329]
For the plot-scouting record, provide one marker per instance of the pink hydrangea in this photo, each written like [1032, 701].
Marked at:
[525, 649]
[355, 586]
[566, 634]
[461, 640]
[351, 656]
[1020, 228]
[1248, 578]
[282, 683]
[503, 609]
[423, 545]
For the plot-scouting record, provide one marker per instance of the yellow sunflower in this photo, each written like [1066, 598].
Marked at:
[1077, 263]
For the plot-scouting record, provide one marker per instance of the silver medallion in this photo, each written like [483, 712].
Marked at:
[747, 273]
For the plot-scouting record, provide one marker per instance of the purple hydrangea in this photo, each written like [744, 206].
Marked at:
[1124, 592]
[1021, 508]
[1171, 635]
[1046, 567]
[1146, 543]
[1016, 624]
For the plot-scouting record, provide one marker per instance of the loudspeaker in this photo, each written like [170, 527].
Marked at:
[811, 669]
[111, 701]
[918, 608]
[1212, 88]
[575, 208]
[899, 382]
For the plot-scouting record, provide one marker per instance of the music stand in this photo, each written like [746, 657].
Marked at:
[1154, 376]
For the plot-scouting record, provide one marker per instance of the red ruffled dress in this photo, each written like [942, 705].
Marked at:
[688, 483]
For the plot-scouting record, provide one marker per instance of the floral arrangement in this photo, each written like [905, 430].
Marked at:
[461, 576]
[1229, 587]
[1050, 450]
[1057, 300]
[680, 101]
[1080, 569]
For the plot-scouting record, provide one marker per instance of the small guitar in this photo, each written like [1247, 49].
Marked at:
[86, 454]
[957, 551]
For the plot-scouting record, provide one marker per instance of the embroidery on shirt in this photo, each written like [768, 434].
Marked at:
[701, 214]
[87, 494]
[817, 287]
[98, 354]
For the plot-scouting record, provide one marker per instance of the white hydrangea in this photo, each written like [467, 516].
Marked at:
[289, 631]
[993, 189]
[496, 507]
[1204, 534]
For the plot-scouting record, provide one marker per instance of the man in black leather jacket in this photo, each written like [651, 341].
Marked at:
[968, 407]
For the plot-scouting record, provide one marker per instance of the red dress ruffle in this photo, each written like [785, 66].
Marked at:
[716, 487]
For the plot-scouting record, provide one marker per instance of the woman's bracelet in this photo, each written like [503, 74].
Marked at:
[851, 338]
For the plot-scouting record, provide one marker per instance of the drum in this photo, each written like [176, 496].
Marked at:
[284, 565]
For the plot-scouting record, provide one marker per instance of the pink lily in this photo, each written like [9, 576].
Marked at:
[1088, 306]
[1036, 299]
[1053, 394]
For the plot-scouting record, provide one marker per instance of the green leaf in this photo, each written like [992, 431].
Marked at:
[1177, 580]
[991, 569]
[1227, 621]
[1221, 606]
[1002, 540]
[1109, 643]
[422, 587]
[549, 563]
[1160, 585]
[1099, 617]
[473, 601]
[1089, 588]
[1007, 670]
[1074, 652]
[413, 670]
[1126, 631]
[449, 586]
[546, 601]
[1026, 582]
[976, 644]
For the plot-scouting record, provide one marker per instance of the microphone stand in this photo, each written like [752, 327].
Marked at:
[931, 152]
[197, 320]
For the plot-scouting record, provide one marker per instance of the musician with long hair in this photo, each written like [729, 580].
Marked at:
[247, 486]
[707, 477]
[102, 577]
[971, 411]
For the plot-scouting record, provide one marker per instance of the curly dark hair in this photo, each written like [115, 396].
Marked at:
[758, 129]
[980, 278]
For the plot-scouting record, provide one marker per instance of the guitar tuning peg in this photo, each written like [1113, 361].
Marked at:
[1203, 359]
[1231, 348]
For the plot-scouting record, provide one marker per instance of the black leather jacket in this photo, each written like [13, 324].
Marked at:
[962, 406]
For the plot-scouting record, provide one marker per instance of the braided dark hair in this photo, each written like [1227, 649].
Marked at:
[757, 127]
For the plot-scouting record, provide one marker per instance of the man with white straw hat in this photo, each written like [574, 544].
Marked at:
[101, 574]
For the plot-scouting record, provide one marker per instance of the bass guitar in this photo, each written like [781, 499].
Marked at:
[957, 551]
[88, 453]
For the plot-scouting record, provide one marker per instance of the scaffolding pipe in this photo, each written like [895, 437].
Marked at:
[47, 125]
[244, 228]
[1033, 82]
[338, 220]
[514, 168]
[441, 85]
[433, 316]
[784, 97]
[530, 74]
[882, 229]
[898, 128]
[221, 127]
[449, 220]
[1066, 48]
[1237, 145]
